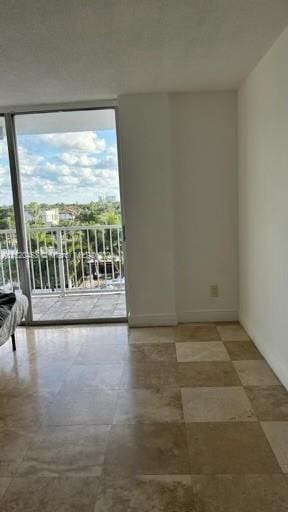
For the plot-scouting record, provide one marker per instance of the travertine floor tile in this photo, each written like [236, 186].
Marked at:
[13, 446]
[73, 451]
[47, 348]
[38, 377]
[216, 404]
[148, 493]
[102, 335]
[99, 353]
[149, 375]
[242, 350]
[64, 388]
[230, 448]
[9, 367]
[4, 482]
[147, 352]
[196, 332]
[40, 336]
[82, 408]
[277, 435]
[244, 493]
[232, 332]
[92, 377]
[50, 495]
[151, 335]
[269, 402]
[147, 449]
[199, 351]
[255, 373]
[208, 374]
[198, 493]
[149, 406]
[23, 411]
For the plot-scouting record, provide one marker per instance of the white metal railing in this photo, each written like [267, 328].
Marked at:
[64, 259]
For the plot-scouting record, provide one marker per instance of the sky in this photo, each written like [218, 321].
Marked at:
[63, 167]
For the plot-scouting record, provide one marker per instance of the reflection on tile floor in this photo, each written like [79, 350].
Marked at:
[103, 418]
[104, 305]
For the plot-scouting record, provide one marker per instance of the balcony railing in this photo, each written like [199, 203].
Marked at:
[64, 259]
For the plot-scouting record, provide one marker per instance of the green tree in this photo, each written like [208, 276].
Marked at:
[7, 217]
[89, 214]
[110, 217]
[35, 210]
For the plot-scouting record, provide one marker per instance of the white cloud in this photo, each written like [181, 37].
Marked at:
[112, 149]
[57, 170]
[76, 159]
[70, 180]
[3, 177]
[66, 170]
[28, 161]
[49, 187]
[3, 148]
[5, 184]
[82, 141]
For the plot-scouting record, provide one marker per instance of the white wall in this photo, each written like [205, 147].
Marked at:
[179, 186]
[263, 205]
[147, 192]
[205, 185]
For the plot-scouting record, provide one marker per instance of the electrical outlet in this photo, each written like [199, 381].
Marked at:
[214, 292]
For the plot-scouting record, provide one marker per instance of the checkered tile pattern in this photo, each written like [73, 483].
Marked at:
[102, 418]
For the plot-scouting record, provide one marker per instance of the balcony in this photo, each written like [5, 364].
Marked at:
[76, 272]
[79, 306]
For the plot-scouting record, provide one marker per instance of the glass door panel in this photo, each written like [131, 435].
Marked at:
[70, 187]
[9, 271]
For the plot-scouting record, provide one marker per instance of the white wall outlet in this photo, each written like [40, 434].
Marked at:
[214, 291]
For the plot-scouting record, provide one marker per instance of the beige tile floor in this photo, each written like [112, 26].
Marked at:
[102, 419]
[79, 306]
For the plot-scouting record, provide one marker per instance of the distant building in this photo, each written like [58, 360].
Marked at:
[110, 199]
[66, 215]
[51, 217]
[28, 216]
[106, 199]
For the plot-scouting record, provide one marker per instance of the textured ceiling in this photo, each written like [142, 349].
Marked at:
[77, 50]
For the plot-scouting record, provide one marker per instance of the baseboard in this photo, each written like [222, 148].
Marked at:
[277, 366]
[198, 315]
[208, 315]
[151, 320]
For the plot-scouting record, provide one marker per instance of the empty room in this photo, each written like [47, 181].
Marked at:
[143, 256]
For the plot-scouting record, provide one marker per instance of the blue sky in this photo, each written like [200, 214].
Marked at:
[63, 167]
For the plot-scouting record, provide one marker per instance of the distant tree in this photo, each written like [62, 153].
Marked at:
[35, 210]
[110, 217]
[89, 214]
[6, 217]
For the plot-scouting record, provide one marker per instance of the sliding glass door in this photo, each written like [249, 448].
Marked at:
[69, 176]
[9, 271]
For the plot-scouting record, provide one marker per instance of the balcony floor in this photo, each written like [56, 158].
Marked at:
[79, 306]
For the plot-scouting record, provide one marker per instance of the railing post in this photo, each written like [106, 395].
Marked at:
[60, 260]
[113, 254]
